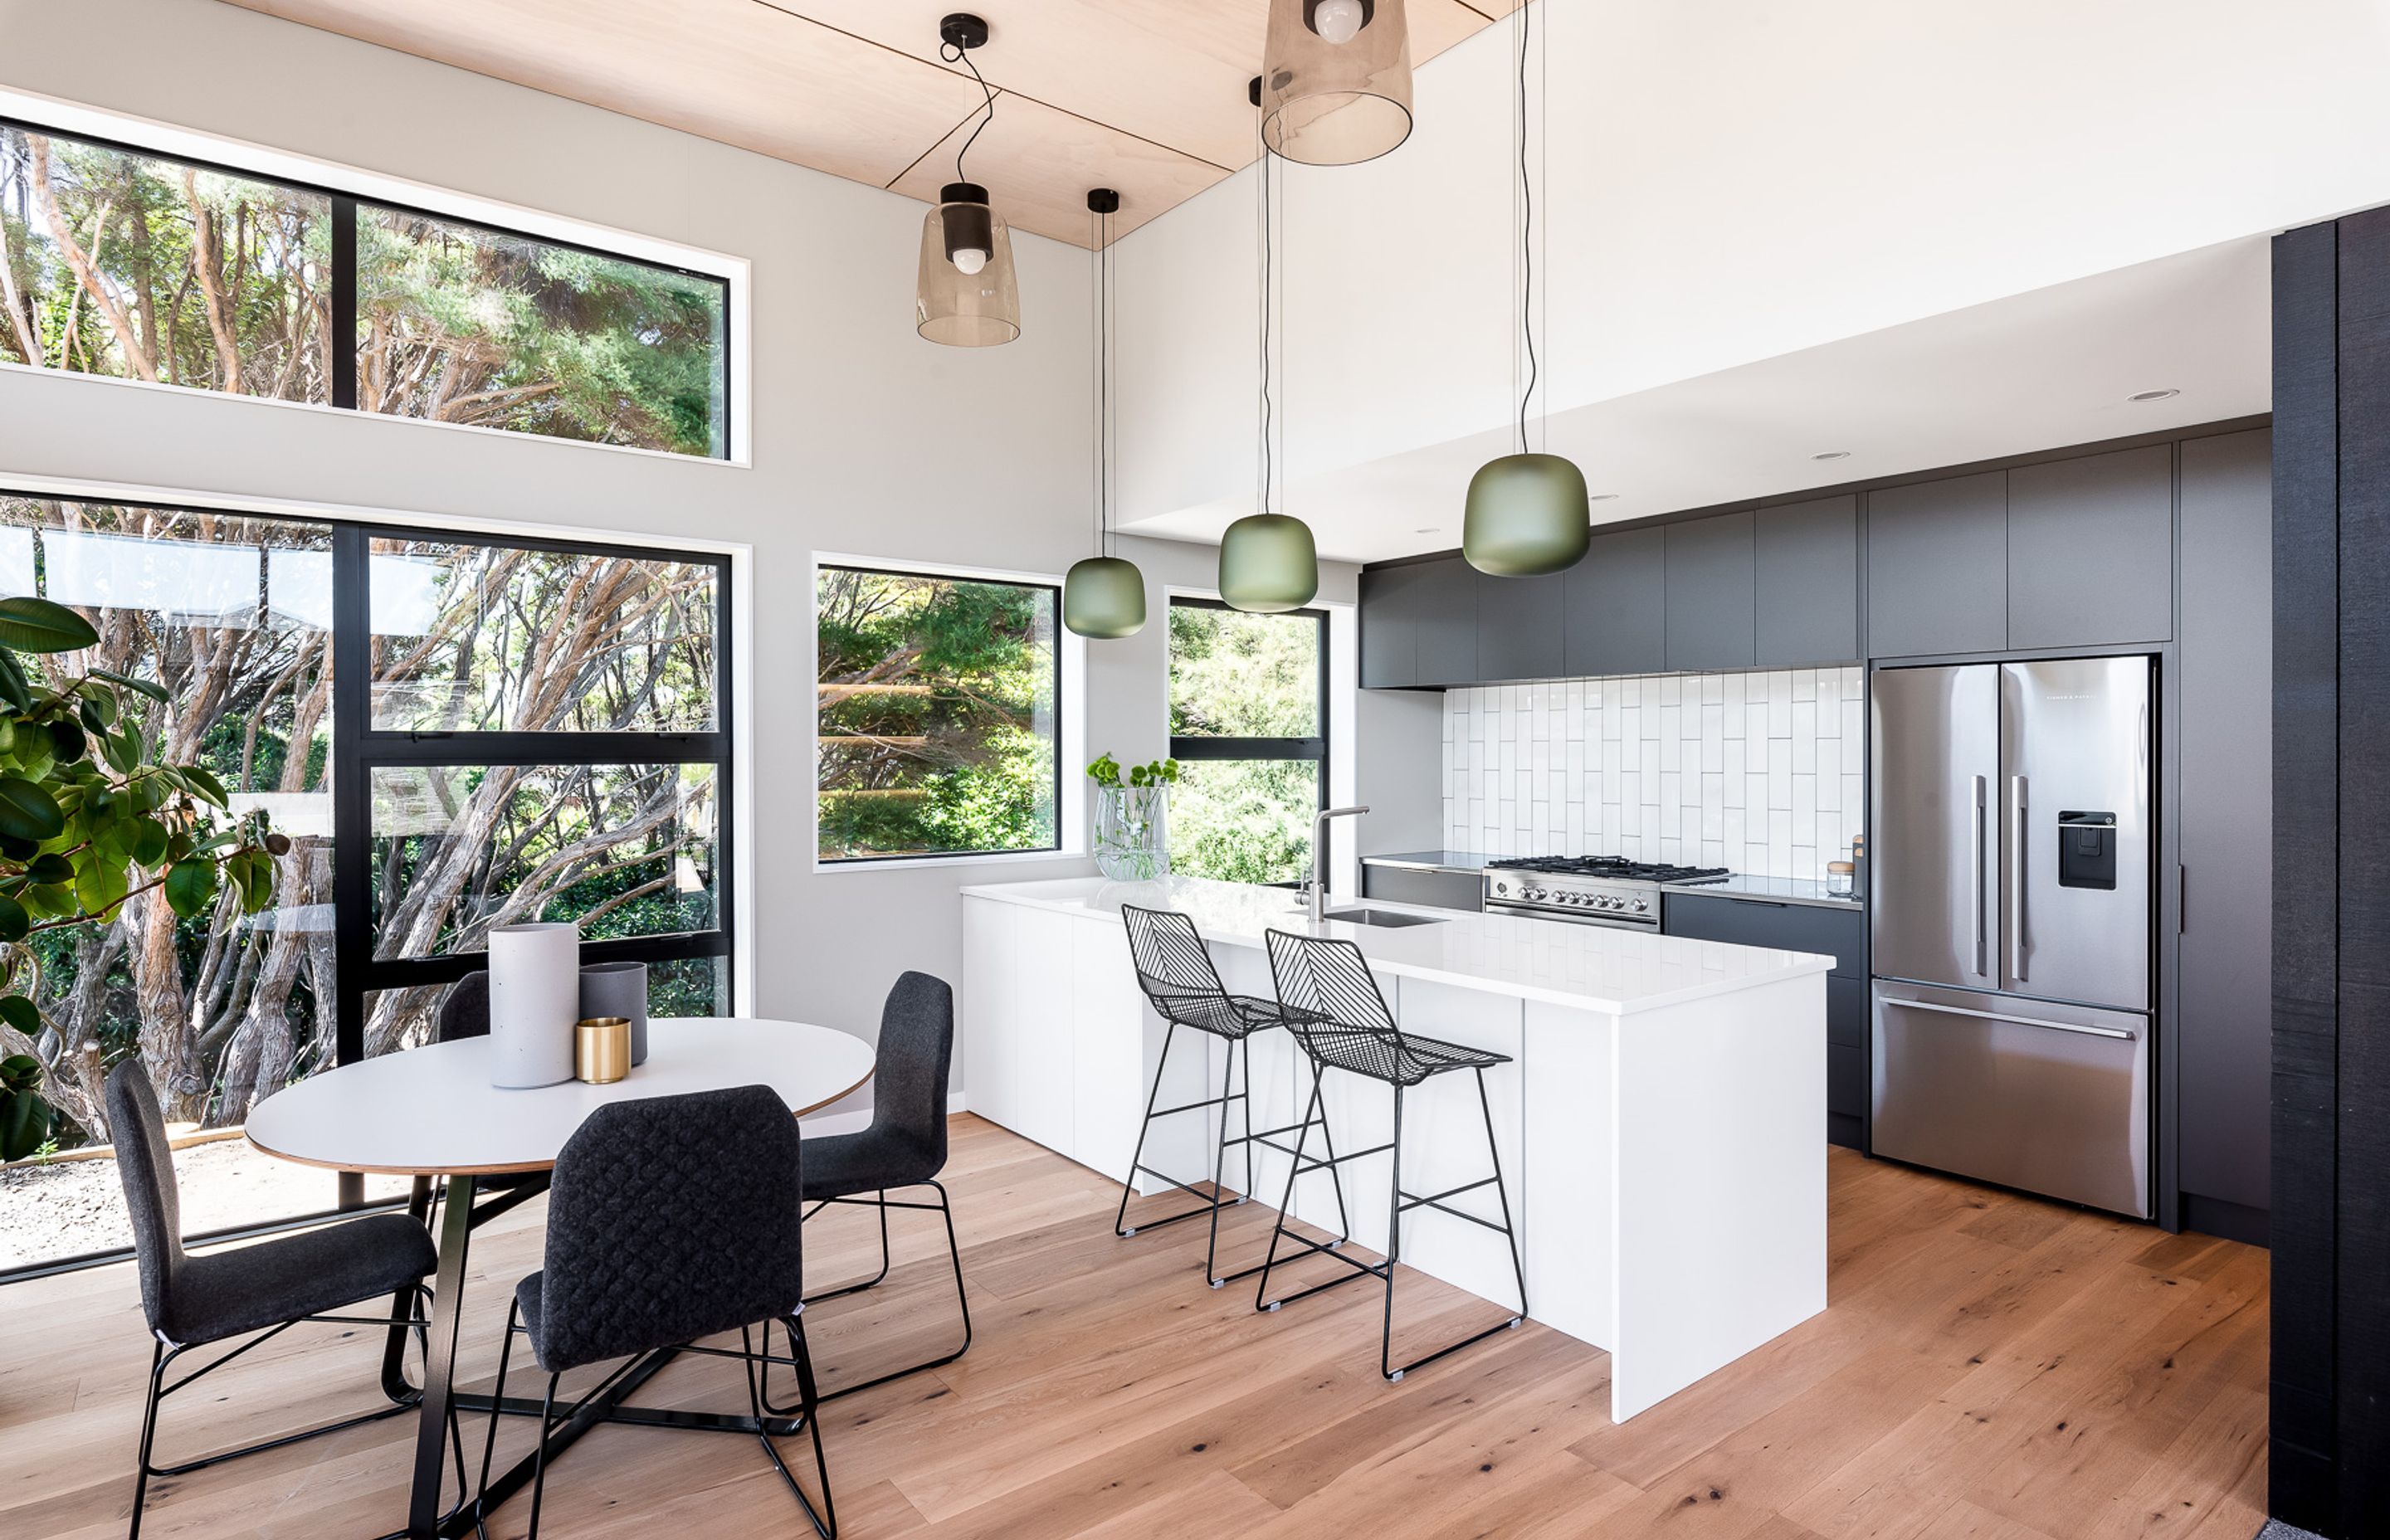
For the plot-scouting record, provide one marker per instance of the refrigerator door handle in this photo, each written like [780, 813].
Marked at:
[2017, 846]
[1976, 871]
[2085, 1029]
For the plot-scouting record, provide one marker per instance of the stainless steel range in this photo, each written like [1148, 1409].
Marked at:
[1588, 890]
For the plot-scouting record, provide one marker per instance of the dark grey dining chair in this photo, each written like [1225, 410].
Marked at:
[668, 1221]
[905, 1146]
[464, 1012]
[257, 1291]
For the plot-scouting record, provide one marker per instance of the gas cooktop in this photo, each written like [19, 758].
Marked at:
[1611, 869]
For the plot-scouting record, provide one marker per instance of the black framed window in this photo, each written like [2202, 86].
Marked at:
[456, 731]
[138, 266]
[1249, 726]
[938, 714]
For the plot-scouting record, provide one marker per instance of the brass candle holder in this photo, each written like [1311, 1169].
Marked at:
[601, 1049]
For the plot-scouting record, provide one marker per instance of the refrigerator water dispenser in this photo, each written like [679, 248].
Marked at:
[2087, 850]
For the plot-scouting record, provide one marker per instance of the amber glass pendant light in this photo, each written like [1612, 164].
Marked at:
[1269, 561]
[1336, 79]
[1103, 596]
[1527, 513]
[967, 296]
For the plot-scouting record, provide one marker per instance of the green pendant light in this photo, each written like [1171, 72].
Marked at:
[1269, 561]
[1103, 596]
[1527, 513]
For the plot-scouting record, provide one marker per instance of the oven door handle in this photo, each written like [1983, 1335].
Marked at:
[1608, 922]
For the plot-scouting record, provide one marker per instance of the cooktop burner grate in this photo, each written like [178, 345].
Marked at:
[1613, 867]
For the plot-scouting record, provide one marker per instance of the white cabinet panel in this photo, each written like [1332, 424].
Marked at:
[1108, 1020]
[990, 962]
[1041, 1034]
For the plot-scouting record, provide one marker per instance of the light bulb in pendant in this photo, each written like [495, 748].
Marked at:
[970, 259]
[1338, 21]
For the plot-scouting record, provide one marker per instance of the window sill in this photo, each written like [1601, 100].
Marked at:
[982, 858]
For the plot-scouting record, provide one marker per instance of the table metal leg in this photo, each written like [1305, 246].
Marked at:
[440, 1360]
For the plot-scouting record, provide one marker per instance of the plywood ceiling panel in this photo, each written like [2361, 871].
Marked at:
[1037, 163]
[1169, 71]
[1145, 95]
[744, 74]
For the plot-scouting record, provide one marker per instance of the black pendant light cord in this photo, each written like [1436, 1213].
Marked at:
[1526, 229]
[1099, 228]
[1269, 463]
[955, 53]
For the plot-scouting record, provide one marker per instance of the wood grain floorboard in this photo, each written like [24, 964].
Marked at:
[1991, 1368]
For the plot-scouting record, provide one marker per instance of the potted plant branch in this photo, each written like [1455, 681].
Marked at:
[87, 823]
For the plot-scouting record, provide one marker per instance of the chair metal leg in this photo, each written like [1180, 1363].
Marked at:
[1121, 1226]
[539, 1457]
[944, 1206]
[1404, 1200]
[1220, 1156]
[1502, 1191]
[1293, 1169]
[158, 1361]
[497, 1399]
[1394, 1250]
[825, 1519]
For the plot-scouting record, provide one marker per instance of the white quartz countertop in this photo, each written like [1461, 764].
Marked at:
[1594, 968]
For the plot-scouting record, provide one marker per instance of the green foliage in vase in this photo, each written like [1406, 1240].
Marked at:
[1106, 773]
[88, 823]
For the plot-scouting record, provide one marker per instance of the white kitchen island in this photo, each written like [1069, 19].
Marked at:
[1660, 1124]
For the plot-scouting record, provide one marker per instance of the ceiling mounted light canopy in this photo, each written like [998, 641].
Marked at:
[967, 296]
[1526, 514]
[1103, 596]
[1336, 79]
[1268, 562]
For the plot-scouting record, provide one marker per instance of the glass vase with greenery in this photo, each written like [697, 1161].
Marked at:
[89, 824]
[1132, 818]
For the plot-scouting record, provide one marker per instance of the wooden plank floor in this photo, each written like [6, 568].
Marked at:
[1992, 1368]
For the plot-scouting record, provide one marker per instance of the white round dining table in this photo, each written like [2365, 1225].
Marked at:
[432, 1113]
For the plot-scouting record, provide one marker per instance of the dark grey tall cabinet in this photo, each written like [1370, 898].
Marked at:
[2224, 649]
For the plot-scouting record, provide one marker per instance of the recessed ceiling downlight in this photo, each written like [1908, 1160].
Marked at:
[1602, 497]
[2153, 396]
[1832, 454]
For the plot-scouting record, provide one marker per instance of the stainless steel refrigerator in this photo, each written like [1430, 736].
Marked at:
[2010, 879]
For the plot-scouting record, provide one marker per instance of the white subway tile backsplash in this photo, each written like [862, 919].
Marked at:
[1759, 772]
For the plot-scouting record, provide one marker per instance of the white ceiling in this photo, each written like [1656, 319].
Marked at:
[2042, 369]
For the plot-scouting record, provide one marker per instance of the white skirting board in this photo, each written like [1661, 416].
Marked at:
[859, 1119]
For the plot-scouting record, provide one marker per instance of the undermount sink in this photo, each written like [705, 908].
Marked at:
[1391, 918]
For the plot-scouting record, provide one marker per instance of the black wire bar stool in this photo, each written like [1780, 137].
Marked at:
[1335, 1009]
[1179, 982]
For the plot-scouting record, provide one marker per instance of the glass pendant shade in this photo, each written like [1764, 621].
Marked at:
[1103, 596]
[966, 297]
[1526, 516]
[1336, 79]
[1268, 564]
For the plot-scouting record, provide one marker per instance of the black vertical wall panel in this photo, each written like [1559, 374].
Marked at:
[2306, 737]
[2362, 1222]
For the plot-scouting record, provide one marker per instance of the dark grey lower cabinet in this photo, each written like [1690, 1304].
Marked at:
[1838, 933]
[1436, 889]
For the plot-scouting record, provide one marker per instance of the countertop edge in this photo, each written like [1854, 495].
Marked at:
[1810, 963]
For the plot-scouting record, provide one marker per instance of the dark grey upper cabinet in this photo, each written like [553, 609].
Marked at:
[1938, 566]
[1518, 627]
[2226, 669]
[1711, 598]
[1808, 583]
[1390, 627]
[2090, 556]
[1447, 621]
[1616, 603]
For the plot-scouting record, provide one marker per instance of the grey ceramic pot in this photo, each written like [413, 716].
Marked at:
[619, 989]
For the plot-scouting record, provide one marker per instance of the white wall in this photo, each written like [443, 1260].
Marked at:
[1729, 182]
[867, 439]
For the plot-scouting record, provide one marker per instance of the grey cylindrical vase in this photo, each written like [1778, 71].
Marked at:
[619, 989]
